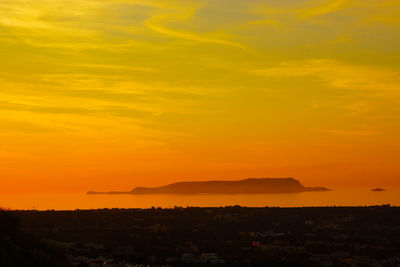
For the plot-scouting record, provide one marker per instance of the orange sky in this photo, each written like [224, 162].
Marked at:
[113, 94]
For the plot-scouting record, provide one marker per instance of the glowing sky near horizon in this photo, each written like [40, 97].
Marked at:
[112, 94]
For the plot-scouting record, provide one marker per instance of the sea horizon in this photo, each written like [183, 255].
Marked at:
[343, 197]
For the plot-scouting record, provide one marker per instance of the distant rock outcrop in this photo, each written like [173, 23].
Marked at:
[378, 189]
[247, 186]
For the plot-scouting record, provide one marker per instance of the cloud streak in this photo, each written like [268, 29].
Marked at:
[383, 11]
[339, 74]
[357, 89]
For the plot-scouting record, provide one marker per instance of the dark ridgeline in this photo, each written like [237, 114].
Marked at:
[247, 186]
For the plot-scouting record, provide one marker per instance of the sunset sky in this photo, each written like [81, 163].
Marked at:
[113, 94]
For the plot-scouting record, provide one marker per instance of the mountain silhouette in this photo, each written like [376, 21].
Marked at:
[247, 186]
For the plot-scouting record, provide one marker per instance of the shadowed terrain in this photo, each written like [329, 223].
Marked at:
[22, 249]
[228, 236]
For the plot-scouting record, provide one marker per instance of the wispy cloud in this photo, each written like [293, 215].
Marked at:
[384, 11]
[113, 67]
[357, 89]
[87, 103]
[87, 24]
[317, 7]
[182, 13]
[363, 78]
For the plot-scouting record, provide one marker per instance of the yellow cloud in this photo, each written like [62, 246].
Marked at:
[371, 11]
[328, 6]
[340, 74]
[76, 24]
[113, 67]
[182, 13]
[359, 89]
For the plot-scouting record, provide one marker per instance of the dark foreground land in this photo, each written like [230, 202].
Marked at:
[230, 236]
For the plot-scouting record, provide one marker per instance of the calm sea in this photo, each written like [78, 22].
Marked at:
[337, 197]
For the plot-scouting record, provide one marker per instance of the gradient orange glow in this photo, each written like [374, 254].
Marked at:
[112, 94]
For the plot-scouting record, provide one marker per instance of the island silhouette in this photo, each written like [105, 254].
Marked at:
[246, 186]
[378, 189]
